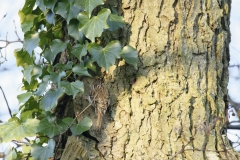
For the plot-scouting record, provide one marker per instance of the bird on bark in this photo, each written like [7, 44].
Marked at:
[99, 97]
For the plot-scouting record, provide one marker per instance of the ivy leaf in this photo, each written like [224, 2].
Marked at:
[91, 66]
[40, 152]
[115, 22]
[36, 71]
[67, 10]
[31, 104]
[74, 31]
[22, 98]
[23, 58]
[57, 46]
[28, 6]
[31, 40]
[50, 17]
[83, 18]
[17, 130]
[27, 73]
[57, 31]
[50, 69]
[63, 67]
[89, 5]
[26, 21]
[65, 123]
[48, 128]
[80, 70]
[45, 39]
[50, 99]
[95, 26]
[28, 114]
[105, 57]
[79, 51]
[41, 5]
[130, 55]
[42, 86]
[32, 86]
[50, 3]
[56, 77]
[81, 127]
[73, 88]
[49, 55]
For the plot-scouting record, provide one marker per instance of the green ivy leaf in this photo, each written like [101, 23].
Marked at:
[130, 55]
[63, 67]
[31, 40]
[41, 88]
[28, 114]
[67, 10]
[50, 69]
[50, 99]
[31, 104]
[79, 51]
[16, 130]
[45, 39]
[89, 5]
[50, 129]
[27, 21]
[82, 18]
[50, 3]
[57, 31]
[95, 26]
[81, 127]
[72, 88]
[30, 87]
[115, 22]
[40, 152]
[22, 98]
[91, 66]
[27, 73]
[57, 46]
[73, 30]
[50, 17]
[56, 77]
[28, 6]
[65, 123]
[80, 70]
[41, 5]
[23, 58]
[36, 71]
[49, 55]
[105, 57]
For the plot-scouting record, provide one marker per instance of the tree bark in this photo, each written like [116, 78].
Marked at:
[172, 106]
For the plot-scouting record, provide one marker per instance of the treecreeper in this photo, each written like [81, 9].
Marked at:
[100, 100]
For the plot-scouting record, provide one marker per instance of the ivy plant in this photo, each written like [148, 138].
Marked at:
[73, 27]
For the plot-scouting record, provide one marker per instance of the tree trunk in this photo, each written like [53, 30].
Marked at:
[172, 107]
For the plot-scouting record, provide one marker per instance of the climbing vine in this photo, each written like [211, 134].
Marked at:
[69, 34]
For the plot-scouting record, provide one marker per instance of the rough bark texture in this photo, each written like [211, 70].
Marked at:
[172, 107]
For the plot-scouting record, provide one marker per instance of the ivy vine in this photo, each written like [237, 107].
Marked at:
[73, 27]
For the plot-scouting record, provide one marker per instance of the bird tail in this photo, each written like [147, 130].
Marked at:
[99, 120]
